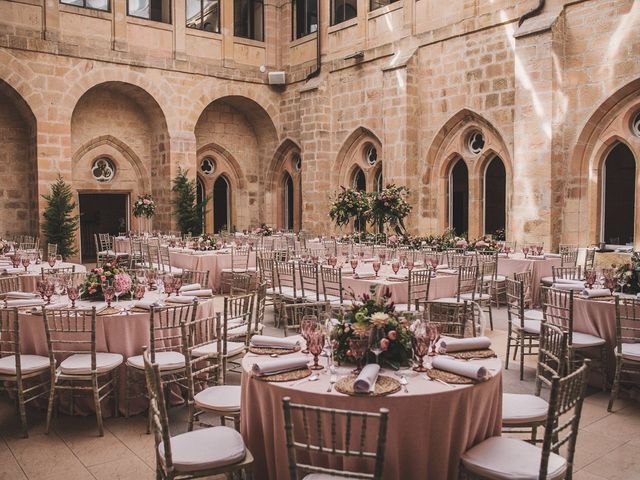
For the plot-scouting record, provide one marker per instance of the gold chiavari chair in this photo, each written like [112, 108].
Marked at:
[194, 276]
[419, 286]
[332, 289]
[194, 454]
[522, 333]
[627, 350]
[10, 284]
[293, 313]
[313, 441]
[25, 376]
[309, 281]
[524, 413]
[58, 271]
[498, 455]
[455, 319]
[71, 341]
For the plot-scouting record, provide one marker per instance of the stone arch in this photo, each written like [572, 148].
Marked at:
[607, 125]
[449, 144]
[352, 153]
[283, 163]
[17, 75]
[18, 157]
[251, 143]
[132, 115]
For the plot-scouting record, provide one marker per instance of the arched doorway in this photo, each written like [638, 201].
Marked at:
[618, 196]
[495, 196]
[221, 204]
[288, 201]
[459, 198]
[200, 196]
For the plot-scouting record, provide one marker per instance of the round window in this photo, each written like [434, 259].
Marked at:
[297, 162]
[635, 124]
[475, 142]
[370, 154]
[103, 169]
[208, 165]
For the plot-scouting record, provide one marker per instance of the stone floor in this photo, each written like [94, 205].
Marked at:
[608, 444]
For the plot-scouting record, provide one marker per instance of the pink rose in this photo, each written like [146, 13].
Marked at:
[393, 239]
[393, 335]
[384, 344]
[103, 278]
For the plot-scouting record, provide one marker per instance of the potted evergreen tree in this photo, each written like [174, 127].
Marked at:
[189, 211]
[60, 224]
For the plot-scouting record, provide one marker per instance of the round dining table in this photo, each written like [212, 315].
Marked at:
[429, 427]
[124, 332]
[29, 278]
[539, 267]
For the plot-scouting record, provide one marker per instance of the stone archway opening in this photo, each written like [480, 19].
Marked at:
[618, 196]
[459, 198]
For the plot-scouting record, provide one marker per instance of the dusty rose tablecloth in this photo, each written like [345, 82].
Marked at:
[212, 262]
[441, 286]
[119, 333]
[29, 279]
[429, 427]
[516, 263]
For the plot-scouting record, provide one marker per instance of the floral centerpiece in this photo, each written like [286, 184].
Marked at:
[369, 313]
[205, 242]
[484, 244]
[390, 207]
[628, 275]
[349, 204]
[144, 206]
[109, 273]
[264, 230]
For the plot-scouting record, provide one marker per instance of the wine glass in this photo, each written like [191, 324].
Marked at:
[316, 346]
[375, 339]
[354, 264]
[333, 261]
[16, 259]
[139, 291]
[434, 336]
[314, 259]
[73, 292]
[420, 344]
[108, 291]
[525, 250]
[308, 325]
[590, 278]
[395, 266]
[49, 289]
[610, 283]
[51, 260]
[177, 284]
[41, 286]
[621, 282]
[382, 257]
[358, 345]
[403, 260]
[410, 265]
[376, 267]
[26, 260]
[167, 282]
[152, 277]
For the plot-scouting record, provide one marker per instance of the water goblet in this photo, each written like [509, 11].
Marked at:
[16, 259]
[525, 250]
[382, 257]
[434, 336]
[73, 293]
[168, 283]
[361, 254]
[108, 291]
[354, 264]
[314, 259]
[51, 260]
[41, 286]
[375, 340]
[420, 344]
[152, 277]
[49, 289]
[177, 284]
[26, 261]
[610, 283]
[590, 278]
[139, 291]
[410, 265]
[308, 325]
[403, 260]
[376, 267]
[332, 261]
[358, 345]
[395, 266]
[316, 346]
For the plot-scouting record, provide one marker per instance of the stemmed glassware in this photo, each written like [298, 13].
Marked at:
[525, 250]
[375, 338]
[51, 260]
[382, 257]
[590, 278]
[332, 261]
[16, 259]
[49, 289]
[152, 277]
[41, 287]
[354, 264]
[168, 282]
[421, 340]
[73, 292]
[609, 280]
[358, 344]
[139, 291]
[308, 325]
[410, 265]
[434, 336]
[376, 267]
[26, 261]
[395, 266]
[316, 346]
[108, 291]
[177, 284]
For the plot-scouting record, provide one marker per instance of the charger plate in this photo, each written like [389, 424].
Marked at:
[286, 376]
[384, 386]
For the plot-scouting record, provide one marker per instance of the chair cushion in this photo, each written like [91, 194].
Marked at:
[517, 408]
[28, 364]
[233, 348]
[242, 330]
[165, 361]
[548, 281]
[630, 351]
[205, 449]
[80, 363]
[498, 278]
[533, 315]
[585, 340]
[448, 300]
[511, 459]
[530, 326]
[225, 398]
[271, 291]
[323, 476]
[477, 296]
[287, 291]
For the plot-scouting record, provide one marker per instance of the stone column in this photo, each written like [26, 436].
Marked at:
[51, 30]
[119, 25]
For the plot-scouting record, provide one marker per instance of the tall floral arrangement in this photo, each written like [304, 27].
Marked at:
[390, 207]
[144, 206]
[109, 273]
[263, 230]
[365, 314]
[628, 274]
[349, 204]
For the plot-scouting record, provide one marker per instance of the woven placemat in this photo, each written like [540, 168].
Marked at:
[466, 355]
[286, 376]
[384, 386]
[449, 377]
[139, 310]
[608, 298]
[109, 311]
[271, 351]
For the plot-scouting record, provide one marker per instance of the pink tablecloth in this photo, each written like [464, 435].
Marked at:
[212, 262]
[29, 279]
[124, 334]
[429, 427]
[516, 263]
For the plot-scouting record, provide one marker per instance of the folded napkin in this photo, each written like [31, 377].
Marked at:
[279, 365]
[460, 367]
[20, 295]
[366, 381]
[536, 257]
[191, 286]
[503, 255]
[570, 281]
[184, 299]
[147, 304]
[38, 310]
[596, 292]
[552, 255]
[10, 270]
[568, 286]
[31, 302]
[265, 341]
[464, 344]
[364, 275]
[207, 292]
[398, 277]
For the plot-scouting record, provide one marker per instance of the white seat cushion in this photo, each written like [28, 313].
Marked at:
[205, 449]
[233, 348]
[533, 315]
[518, 408]
[165, 361]
[498, 279]
[28, 364]
[242, 330]
[547, 281]
[225, 398]
[323, 476]
[530, 326]
[630, 351]
[476, 297]
[271, 291]
[287, 291]
[511, 459]
[448, 300]
[585, 340]
[80, 363]
[313, 296]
